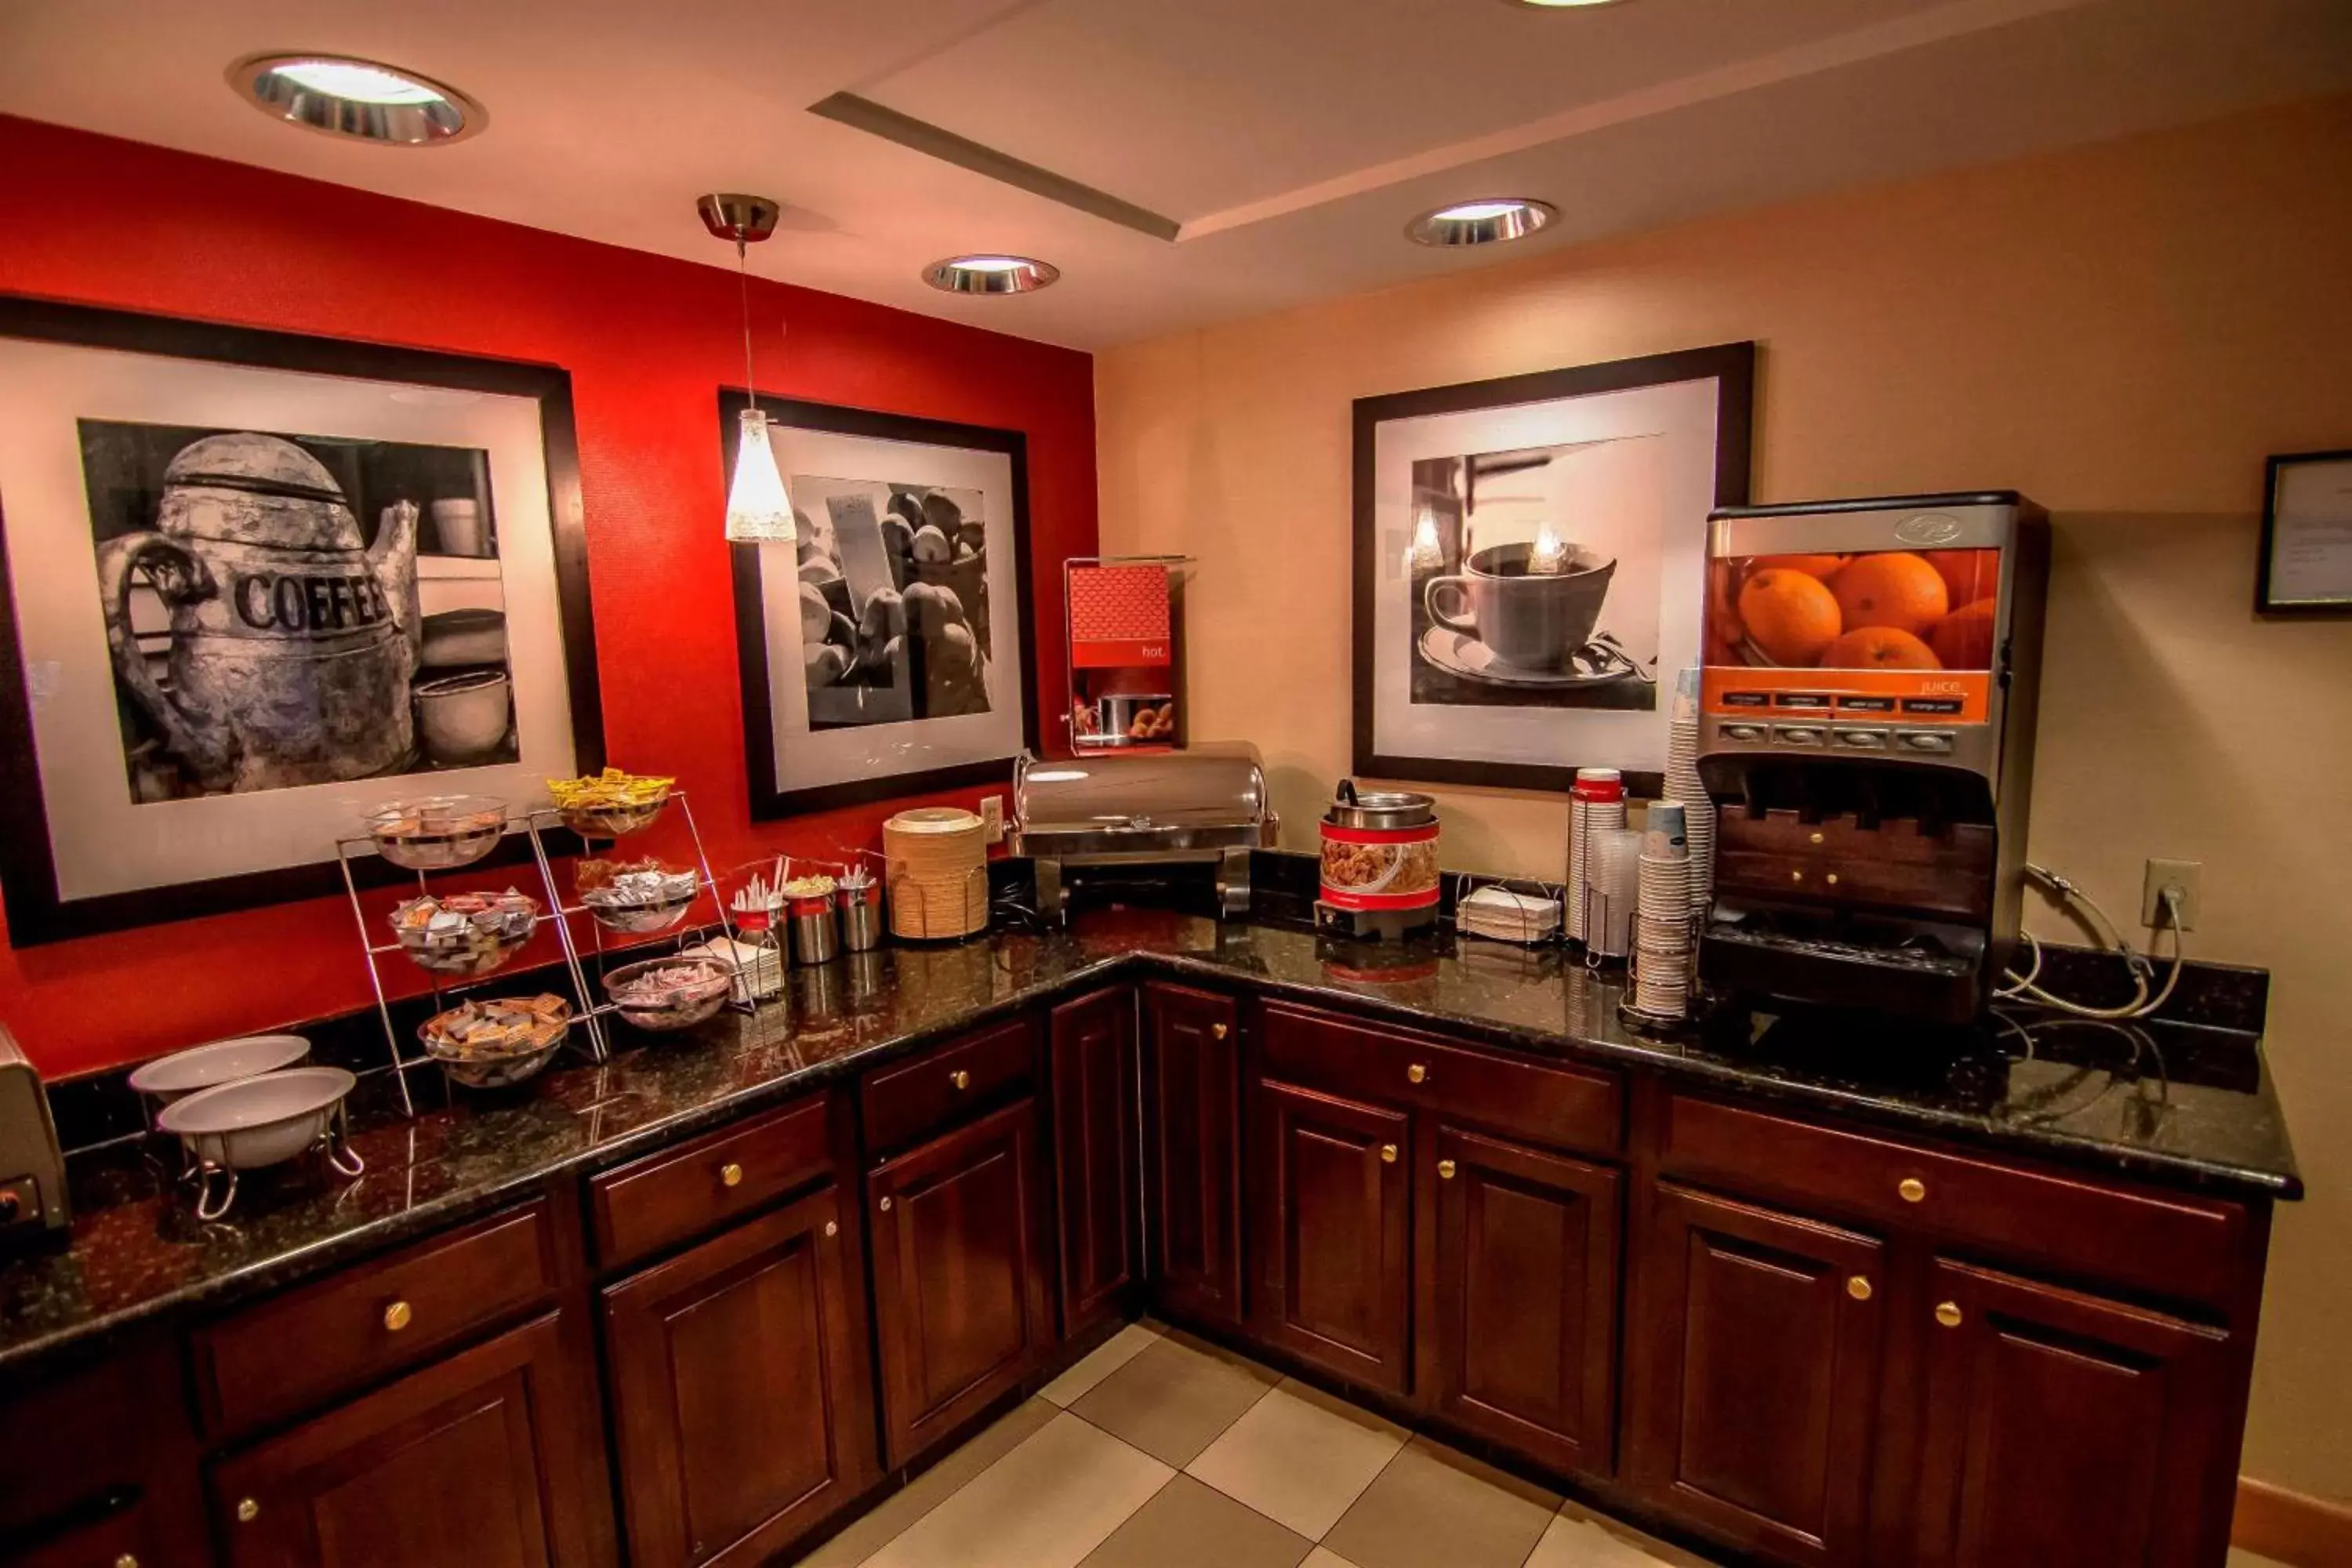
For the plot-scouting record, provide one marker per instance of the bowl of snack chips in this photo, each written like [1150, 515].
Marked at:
[465, 933]
[494, 1044]
[668, 993]
[438, 833]
[637, 895]
[610, 803]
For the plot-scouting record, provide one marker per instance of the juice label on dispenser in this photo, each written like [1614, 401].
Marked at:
[1886, 630]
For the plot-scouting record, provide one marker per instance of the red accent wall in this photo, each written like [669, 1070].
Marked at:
[649, 341]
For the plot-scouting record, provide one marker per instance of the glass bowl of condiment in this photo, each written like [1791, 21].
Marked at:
[464, 934]
[499, 1043]
[668, 993]
[637, 895]
[609, 805]
[439, 832]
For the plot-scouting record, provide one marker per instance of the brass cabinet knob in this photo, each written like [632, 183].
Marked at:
[959, 1079]
[126, 1561]
[1830, 878]
[1445, 1170]
[1388, 1154]
[1796, 876]
[1858, 1286]
[248, 1510]
[1219, 1031]
[1416, 1074]
[886, 1205]
[1949, 1314]
[1817, 838]
[397, 1317]
[1912, 1190]
[833, 1228]
[730, 1174]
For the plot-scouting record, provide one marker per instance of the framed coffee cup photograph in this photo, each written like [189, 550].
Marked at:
[2305, 565]
[1528, 564]
[259, 583]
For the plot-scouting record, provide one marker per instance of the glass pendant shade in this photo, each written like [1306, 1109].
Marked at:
[758, 509]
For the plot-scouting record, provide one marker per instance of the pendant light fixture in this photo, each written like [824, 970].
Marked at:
[759, 511]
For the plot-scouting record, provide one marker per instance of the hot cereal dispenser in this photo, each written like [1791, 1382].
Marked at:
[1380, 863]
[1866, 732]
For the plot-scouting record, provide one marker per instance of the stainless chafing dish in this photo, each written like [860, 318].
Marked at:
[1204, 805]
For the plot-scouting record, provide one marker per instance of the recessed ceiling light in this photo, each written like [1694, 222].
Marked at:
[358, 98]
[1486, 221]
[989, 274]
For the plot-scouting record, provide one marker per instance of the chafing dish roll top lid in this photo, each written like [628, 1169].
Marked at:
[1205, 803]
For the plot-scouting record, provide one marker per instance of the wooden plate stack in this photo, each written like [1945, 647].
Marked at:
[938, 877]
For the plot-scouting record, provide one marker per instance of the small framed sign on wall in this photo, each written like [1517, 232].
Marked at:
[2307, 561]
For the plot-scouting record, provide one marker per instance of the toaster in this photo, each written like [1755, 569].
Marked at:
[32, 1169]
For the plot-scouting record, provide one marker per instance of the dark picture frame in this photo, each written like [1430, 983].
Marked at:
[37, 914]
[1732, 367]
[2266, 599]
[769, 799]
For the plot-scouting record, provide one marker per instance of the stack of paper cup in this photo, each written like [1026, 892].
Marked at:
[1682, 785]
[1661, 925]
[1612, 879]
[1597, 801]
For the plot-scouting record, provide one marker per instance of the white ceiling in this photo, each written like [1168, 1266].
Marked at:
[1292, 139]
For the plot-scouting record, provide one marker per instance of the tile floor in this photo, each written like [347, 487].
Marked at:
[1161, 1451]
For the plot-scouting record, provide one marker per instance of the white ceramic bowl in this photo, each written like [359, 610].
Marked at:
[223, 1061]
[258, 1121]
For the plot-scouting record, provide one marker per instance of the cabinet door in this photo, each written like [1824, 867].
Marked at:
[2065, 1428]
[742, 1407]
[1096, 1153]
[1191, 1103]
[1334, 1234]
[491, 1458]
[1520, 1340]
[1756, 1375]
[961, 1304]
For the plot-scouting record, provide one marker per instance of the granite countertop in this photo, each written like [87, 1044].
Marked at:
[2186, 1106]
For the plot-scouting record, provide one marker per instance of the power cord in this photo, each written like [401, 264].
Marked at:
[2143, 969]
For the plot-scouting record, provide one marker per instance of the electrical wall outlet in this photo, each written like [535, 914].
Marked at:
[2187, 876]
[992, 817]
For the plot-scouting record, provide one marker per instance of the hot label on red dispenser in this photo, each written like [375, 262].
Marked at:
[1882, 631]
[1118, 616]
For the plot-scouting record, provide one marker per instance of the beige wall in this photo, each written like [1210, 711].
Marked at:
[2122, 333]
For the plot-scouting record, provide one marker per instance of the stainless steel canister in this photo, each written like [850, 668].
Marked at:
[817, 935]
[861, 916]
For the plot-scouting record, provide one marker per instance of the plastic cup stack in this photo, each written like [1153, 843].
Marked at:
[1682, 785]
[1597, 801]
[1663, 920]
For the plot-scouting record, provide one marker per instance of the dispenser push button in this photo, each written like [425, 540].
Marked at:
[1798, 735]
[1745, 734]
[1934, 742]
[1863, 739]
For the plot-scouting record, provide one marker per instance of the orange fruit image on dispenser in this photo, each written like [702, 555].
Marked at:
[1968, 574]
[1789, 616]
[1821, 566]
[1898, 590]
[1963, 639]
[1879, 647]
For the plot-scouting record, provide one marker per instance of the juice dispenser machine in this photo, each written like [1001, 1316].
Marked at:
[1866, 732]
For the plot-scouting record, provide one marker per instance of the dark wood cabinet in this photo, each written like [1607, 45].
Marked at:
[2064, 1428]
[961, 1274]
[1518, 1338]
[1192, 1175]
[1096, 1176]
[1755, 1378]
[1334, 1233]
[742, 1401]
[493, 1458]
